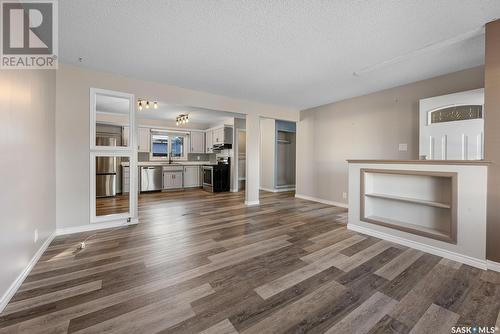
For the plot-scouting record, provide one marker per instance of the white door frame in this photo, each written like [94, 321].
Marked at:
[236, 178]
[130, 151]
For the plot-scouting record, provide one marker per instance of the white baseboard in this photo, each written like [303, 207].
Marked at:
[252, 203]
[282, 190]
[320, 200]
[20, 279]
[93, 227]
[492, 265]
[474, 262]
[268, 189]
[278, 190]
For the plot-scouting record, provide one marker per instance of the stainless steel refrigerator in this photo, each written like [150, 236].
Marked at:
[106, 170]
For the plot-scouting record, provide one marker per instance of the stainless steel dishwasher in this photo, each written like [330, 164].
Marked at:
[151, 178]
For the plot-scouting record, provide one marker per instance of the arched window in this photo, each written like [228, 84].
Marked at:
[456, 113]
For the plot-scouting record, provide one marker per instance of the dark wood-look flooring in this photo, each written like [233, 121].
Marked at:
[112, 205]
[201, 262]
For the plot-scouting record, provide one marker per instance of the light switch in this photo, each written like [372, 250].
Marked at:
[403, 147]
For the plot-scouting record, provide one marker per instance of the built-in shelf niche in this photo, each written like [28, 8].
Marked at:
[417, 202]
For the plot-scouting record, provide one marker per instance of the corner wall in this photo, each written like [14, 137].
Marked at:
[365, 127]
[492, 137]
[267, 153]
[27, 171]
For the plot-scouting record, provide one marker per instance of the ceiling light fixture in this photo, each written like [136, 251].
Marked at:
[145, 103]
[182, 119]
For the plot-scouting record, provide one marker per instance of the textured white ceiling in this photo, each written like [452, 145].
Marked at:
[286, 52]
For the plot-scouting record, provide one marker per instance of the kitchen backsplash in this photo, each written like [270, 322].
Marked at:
[201, 157]
[144, 156]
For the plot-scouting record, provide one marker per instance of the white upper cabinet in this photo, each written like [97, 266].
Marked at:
[223, 135]
[144, 139]
[218, 136]
[209, 141]
[197, 142]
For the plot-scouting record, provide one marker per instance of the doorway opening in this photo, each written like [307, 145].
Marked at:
[277, 155]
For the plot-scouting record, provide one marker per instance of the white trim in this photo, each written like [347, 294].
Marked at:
[284, 189]
[236, 159]
[95, 226]
[22, 276]
[93, 117]
[324, 201]
[130, 151]
[278, 190]
[478, 263]
[94, 219]
[252, 203]
[492, 265]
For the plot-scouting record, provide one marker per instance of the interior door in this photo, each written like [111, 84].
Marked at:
[460, 140]
[452, 126]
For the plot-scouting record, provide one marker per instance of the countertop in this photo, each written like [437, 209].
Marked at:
[423, 162]
[176, 163]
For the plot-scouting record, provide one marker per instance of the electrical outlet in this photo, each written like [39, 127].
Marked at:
[35, 236]
[344, 195]
[403, 147]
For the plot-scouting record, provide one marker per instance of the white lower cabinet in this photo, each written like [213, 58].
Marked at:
[192, 177]
[172, 180]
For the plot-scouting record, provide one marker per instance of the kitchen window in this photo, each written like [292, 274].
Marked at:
[165, 145]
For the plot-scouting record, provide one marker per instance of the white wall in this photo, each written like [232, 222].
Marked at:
[27, 169]
[267, 153]
[366, 127]
[253, 160]
[72, 129]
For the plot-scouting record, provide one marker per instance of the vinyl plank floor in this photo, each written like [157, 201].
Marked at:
[435, 320]
[201, 262]
[366, 316]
